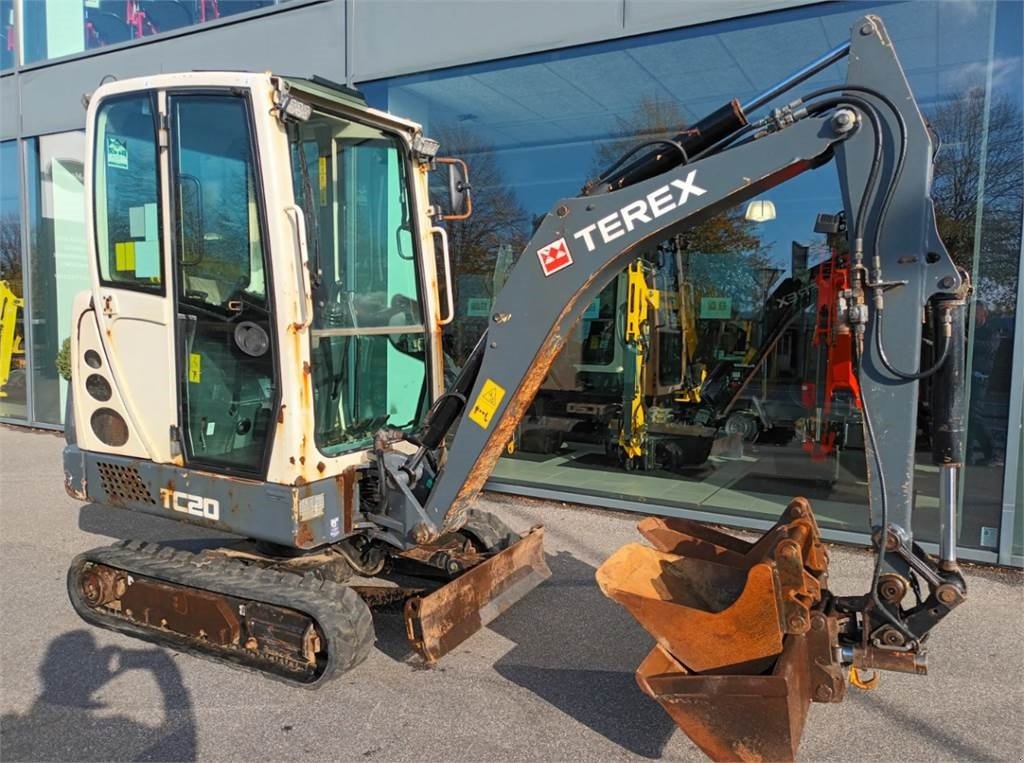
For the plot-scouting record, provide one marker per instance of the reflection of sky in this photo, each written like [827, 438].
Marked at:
[546, 113]
[9, 178]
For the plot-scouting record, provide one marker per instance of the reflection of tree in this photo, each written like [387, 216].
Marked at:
[729, 274]
[654, 119]
[963, 163]
[10, 251]
[497, 219]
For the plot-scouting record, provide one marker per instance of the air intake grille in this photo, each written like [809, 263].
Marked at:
[123, 483]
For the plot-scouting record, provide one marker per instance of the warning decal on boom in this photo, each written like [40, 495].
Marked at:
[487, 403]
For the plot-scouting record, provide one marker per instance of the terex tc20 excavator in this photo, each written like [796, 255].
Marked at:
[259, 353]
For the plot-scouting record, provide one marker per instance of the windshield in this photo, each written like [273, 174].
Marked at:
[368, 337]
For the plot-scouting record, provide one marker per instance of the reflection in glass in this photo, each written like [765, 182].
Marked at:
[227, 369]
[55, 28]
[13, 385]
[60, 266]
[538, 126]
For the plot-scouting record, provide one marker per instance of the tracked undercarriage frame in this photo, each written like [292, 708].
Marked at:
[306, 618]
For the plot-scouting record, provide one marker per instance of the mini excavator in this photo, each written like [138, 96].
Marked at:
[259, 353]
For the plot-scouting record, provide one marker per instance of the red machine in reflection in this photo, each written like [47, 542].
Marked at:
[108, 22]
[834, 395]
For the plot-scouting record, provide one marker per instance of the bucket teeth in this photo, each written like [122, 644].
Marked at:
[741, 639]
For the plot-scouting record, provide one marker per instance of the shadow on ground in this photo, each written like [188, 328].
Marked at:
[568, 621]
[67, 720]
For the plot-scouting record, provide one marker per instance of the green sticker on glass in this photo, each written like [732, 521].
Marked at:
[117, 152]
[716, 307]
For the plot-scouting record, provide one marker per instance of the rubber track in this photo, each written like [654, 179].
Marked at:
[344, 619]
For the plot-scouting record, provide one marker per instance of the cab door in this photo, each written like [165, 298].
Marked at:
[133, 312]
[226, 359]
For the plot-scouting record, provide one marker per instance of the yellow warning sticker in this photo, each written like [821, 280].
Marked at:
[124, 256]
[486, 404]
[323, 180]
[195, 368]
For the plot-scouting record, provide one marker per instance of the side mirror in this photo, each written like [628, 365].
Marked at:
[459, 189]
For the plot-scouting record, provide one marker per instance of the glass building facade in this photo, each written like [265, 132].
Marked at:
[741, 297]
[56, 28]
[535, 128]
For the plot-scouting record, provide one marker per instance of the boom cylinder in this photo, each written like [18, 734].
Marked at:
[450, 405]
[949, 414]
[948, 388]
[708, 131]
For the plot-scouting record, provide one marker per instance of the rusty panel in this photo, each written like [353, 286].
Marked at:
[188, 611]
[439, 622]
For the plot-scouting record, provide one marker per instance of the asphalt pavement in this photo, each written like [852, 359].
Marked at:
[551, 679]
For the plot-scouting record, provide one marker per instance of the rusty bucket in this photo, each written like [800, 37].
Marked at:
[742, 647]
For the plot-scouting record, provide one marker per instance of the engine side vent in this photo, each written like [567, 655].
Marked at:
[123, 483]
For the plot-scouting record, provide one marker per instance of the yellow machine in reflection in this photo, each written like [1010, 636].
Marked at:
[12, 350]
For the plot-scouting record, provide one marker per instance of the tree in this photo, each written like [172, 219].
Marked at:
[967, 156]
[498, 218]
[10, 252]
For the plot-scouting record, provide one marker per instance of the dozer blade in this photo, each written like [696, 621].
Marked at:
[742, 646]
[440, 621]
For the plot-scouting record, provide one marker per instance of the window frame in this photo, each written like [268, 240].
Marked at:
[407, 173]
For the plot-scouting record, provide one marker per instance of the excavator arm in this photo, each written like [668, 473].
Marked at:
[787, 637]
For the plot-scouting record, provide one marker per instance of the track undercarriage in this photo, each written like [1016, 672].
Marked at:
[306, 619]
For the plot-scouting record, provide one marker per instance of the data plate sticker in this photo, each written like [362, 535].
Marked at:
[486, 404]
[311, 507]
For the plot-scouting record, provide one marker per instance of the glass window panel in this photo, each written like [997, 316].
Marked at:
[54, 28]
[13, 366]
[350, 180]
[8, 34]
[219, 235]
[362, 383]
[59, 257]
[534, 128]
[127, 201]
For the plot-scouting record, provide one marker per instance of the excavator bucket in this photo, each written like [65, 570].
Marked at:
[742, 646]
[438, 622]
